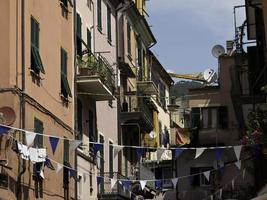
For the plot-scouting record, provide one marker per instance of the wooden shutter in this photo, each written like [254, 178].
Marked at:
[80, 119]
[38, 128]
[99, 15]
[129, 38]
[109, 23]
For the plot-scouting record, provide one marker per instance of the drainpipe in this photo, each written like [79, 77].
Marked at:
[75, 89]
[22, 168]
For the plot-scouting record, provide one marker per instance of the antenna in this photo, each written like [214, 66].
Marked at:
[7, 115]
[210, 75]
[217, 51]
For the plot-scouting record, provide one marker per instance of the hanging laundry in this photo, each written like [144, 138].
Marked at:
[37, 155]
[23, 151]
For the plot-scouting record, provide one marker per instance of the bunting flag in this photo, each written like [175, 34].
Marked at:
[233, 184]
[113, 182]
[59, 167]
[4, 130]
[220, 193]
[244, 173]
[99, 179]
[218, 153]
[42, 173]
[116, 150]
[53, 143]
[48, 164]
[158, 184]
[30, 136]
[178, 152]
[160, 151]
[140, 152]
[143, 184]
[207, 175]
[73, 174]
[74, 144]
[174, 182]
[97, 147]
[237, 150]
[126, 184]
[199, 151]
[238, 164]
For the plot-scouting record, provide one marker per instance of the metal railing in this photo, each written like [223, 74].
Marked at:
[105, 189]
[92, 65]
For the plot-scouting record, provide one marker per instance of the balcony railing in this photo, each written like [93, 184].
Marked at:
[90, 65]
[117, 191]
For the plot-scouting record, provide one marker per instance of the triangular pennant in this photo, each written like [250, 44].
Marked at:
[3, 129]
[140, 152]
[99, 179]
[238, 164]
[74, 144]
[174, 182]
[73, 174]
[59, 167]
[199, 151]
[42, 174]
[218, 153]
[237, 150]
[30, 136]
[178, 152]
[244, 173]
[143, 184]
[116, 150]
[220, 193]
[53, 143]
[160, 151]
[207, 175]
[233, 184]
[126, 184]
[113, 182]
[49, 164]
[97, 147]
[158, 184]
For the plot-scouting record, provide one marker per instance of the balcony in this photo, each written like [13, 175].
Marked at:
[95, 77]
[145, 85]
[138, 110]
[117, 192]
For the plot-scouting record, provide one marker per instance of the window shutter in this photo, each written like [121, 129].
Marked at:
[89, 39]
[79, 25]
[109, 23]
[99, 15]
[195, 114]
[80, 120]
[223, 117]
[38, 128]
[129, 38]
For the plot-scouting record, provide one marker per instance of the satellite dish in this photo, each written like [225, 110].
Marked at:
[217, 51]
[152, 135]
[7, 116]
[210, 75]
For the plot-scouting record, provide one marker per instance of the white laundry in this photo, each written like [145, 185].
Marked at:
[24, 151]
[37, 155]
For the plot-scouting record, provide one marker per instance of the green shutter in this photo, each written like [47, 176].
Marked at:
[111, 159]
[79, 119]
[129, 38]
[66, 151]
[65, 88]
[195, 116]
[79, 25]
[38, 128]
[109, 23]
[99, 15]
[89, 39]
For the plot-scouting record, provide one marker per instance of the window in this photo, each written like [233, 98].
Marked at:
[200, 179]
[65, 88]
[215, 117]
[195, 117]
[79, 120]
[79, 34]
[111, 159]
[36, 62]
[139, 50]
[38, 128]
[99, 15]
[129, 39]
[109, 23]
[162, 89]
[89, 39]
[102, 162]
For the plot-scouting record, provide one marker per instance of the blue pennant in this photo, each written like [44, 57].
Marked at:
[48, 164]
[219, 152]
[140, 152]
[99, 179]
[73, 173]
[97, 147]
[126, 184]
[178, 152]
[53, 143]
[158, 184]
[3, 129]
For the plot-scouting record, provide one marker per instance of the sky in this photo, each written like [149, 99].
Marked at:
[186, 31]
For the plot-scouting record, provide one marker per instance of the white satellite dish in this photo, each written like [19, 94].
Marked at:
[217, 51]
[210, 75]
[152, 135]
